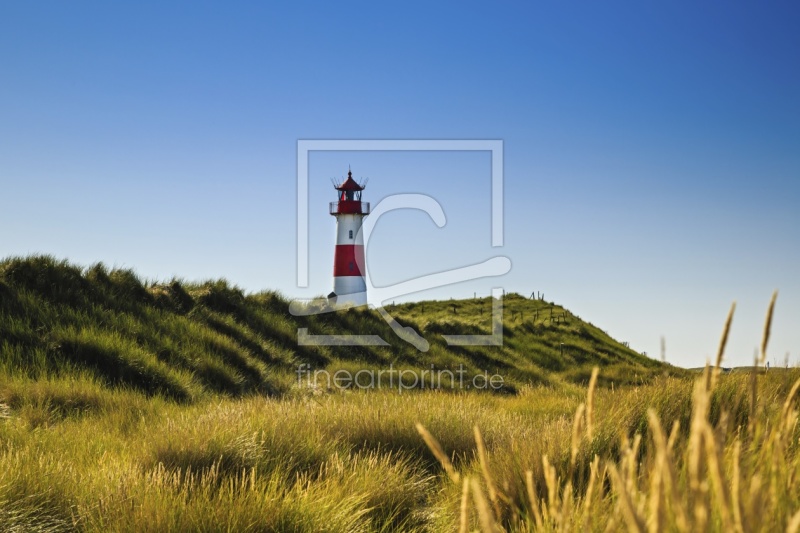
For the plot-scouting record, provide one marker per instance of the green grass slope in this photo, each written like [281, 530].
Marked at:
[60, 323]
[131, 406]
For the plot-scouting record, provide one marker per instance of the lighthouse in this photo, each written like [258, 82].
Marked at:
[349, 267]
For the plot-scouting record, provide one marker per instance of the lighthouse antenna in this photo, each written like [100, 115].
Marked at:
[335, 183]
[364, 185]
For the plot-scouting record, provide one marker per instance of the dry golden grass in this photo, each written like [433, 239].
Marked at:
[190, 437]
[724, 472]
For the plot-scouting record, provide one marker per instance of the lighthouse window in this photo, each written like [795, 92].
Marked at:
[351, 234]
[351, 265]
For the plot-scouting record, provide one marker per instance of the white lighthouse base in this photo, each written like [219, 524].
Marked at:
[350, 290]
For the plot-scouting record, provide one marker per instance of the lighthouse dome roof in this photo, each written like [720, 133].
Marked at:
[350, 184]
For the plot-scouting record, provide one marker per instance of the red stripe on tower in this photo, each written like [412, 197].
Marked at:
[347, 258]
[349, 285]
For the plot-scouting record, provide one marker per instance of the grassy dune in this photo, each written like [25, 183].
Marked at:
[188, 341]
[659, 457]
[132, 406]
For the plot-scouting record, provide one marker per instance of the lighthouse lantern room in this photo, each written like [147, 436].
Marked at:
[349, 285]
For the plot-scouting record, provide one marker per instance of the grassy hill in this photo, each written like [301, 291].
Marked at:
[152, 407]
[182, 340]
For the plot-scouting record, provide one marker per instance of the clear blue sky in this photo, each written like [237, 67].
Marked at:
[652, 150]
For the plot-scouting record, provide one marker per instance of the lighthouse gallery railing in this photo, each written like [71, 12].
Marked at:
[348, 207]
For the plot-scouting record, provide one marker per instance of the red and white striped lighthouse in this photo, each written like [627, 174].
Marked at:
[349, 285]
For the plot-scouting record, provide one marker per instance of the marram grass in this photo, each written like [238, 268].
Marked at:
[128, 405]
[671, 455]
